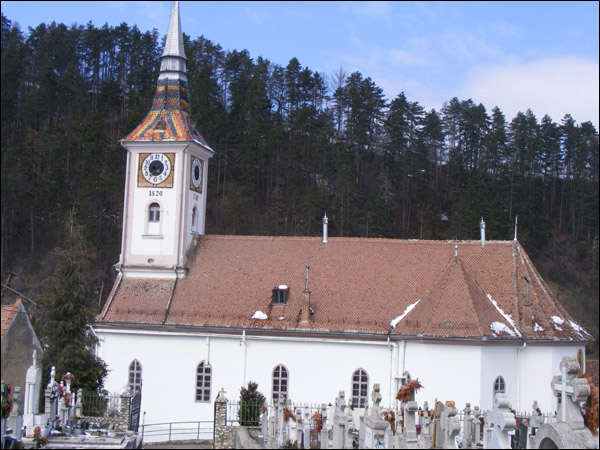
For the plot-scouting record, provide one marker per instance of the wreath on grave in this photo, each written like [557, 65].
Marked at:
[7, 401]
[38, 439]
[390, 417]
[287, 415]
[591, 419]
[318, 418]
[407, 391]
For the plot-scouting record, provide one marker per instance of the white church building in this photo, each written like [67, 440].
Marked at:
[306, 317]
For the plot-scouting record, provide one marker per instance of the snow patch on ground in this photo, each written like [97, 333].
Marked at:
[499, 327]
[507, 317]
[408, 309]
[260, 315]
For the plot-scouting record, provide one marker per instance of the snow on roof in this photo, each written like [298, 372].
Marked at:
[537, 328]
[507, 317]
[499, 327]
[408, 309]
[259, 315]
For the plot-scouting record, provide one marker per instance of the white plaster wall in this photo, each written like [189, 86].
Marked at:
[498, 360]
[317, 370]
[447, 372]
[167, 198]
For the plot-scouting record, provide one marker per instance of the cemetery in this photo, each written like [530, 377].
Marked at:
[64, 422]
[68, 420]
[413, 426]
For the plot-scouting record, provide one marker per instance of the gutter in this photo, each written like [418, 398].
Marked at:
[170, 298]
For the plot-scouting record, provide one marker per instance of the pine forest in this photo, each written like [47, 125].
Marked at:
[291, 144]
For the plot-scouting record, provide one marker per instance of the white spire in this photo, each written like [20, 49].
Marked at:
[173, 59]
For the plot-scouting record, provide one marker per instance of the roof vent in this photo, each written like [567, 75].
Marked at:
[325, 222]
[482, 231]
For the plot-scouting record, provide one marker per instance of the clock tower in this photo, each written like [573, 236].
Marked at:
[167, 165]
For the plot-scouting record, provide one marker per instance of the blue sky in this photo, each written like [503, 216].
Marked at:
[515, 55]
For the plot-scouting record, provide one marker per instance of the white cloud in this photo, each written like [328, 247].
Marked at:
[554, 86]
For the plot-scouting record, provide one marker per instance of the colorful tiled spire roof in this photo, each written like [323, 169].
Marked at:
[170, 117]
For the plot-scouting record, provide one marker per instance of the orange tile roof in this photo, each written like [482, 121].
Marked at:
[357, 285]
[8, 314]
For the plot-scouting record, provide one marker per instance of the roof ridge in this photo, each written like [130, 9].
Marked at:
[471, 302]
[437, 303]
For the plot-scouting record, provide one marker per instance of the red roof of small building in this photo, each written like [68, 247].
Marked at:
[375, 286]
[8, 314]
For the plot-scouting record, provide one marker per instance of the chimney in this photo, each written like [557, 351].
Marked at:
[305, 319]
[325, 222]
[482, 230]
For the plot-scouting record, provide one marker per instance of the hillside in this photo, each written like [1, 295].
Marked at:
[292, 144]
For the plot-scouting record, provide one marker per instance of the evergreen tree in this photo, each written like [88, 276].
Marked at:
[65, 325]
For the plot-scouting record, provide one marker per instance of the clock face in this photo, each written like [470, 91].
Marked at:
[156, 168]
[196, 174]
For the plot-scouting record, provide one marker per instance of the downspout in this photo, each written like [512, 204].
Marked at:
[245, 354]
[519, 375]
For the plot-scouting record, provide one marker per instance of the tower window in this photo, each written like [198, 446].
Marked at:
[154, 213]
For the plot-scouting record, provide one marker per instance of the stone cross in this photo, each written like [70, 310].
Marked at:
[450, 425]
[339, 421]
[467, 427]
[536, 418]
[571, 391]
[376, 397]
[498, 423]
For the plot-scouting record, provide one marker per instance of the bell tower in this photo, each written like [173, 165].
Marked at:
[167, 166]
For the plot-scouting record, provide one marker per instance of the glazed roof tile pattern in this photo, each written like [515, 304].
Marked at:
[375, 286]
[8, 314]
[170, 117]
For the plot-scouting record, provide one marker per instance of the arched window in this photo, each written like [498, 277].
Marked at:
[360, 388]
[135, 377]
[280, 383]
[499, 385]
[154, 214]
[203, 375]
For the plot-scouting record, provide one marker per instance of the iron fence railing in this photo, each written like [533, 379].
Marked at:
[177, 431]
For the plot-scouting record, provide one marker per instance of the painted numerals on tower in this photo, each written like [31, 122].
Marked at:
[156, 169]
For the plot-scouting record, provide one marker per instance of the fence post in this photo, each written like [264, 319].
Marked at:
[124, 411]
[221, 436]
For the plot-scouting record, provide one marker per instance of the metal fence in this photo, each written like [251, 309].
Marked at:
[100, 405]
[177, 431]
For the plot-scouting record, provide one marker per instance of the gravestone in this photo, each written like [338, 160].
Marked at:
[374, 425]
[467, 428]
[33, 380]
[339, 421]
[408, 437]
[350, 430]
[449, 426]
[424, 438]
[569, 430]
[499, 422]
